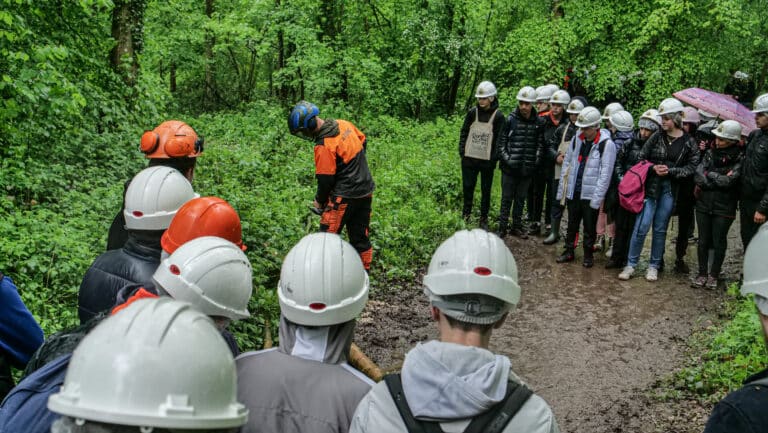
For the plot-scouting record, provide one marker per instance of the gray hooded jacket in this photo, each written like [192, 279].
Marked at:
[305, 385]
[450, 383]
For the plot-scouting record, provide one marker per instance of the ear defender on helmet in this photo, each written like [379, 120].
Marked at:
[171, 139]
[149, 141]
[303, 119]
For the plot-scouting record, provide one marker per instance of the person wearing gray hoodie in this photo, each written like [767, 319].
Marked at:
[456, 381]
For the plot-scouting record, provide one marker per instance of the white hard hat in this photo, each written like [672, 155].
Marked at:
[474, 262]
[611, 108]
[691, 115]
[729, 130]
[755, 271]
[153, 197]
[560, 97]
[322, 282]
[545, 92]
[761, 104]
[156, 364]
[485, 90]
[212, 274]
[670, 105]
[589, 116]
[652, 115]
[623, 121]
[575, 107]
[526, 94]
[705, 116]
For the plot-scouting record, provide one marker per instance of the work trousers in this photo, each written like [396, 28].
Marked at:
[713, 234]
[579, 210]
[469, 182]
[513, 191]
[685, 223]
[749, 227]
[625, 222]
[355, 214]
[541, 194]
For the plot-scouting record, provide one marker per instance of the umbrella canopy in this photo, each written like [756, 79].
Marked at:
[724, 106]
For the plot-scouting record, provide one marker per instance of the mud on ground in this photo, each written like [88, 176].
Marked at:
[593, 346]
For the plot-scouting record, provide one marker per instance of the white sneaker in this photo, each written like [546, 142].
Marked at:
[652, 274]
[627, 273]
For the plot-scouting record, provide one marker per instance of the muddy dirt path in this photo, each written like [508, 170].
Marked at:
[591, 345]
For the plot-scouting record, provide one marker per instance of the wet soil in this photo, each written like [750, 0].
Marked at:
[593, 346]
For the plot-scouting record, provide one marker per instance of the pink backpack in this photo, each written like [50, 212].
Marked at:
[632, 187]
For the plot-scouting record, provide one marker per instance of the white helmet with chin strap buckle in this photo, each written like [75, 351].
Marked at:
[545, 92]
[486, 89]
[212, 274]
[561, 97]
[526, 94]
[322, 282]
[622, 121]
[652, 115]
[670, 105]
[575, 107]
[153, 197]
[588, 117]
[761, 104]
[729, 130]
[468, 264]
[613, 107]
[755, 271]
[159, 363]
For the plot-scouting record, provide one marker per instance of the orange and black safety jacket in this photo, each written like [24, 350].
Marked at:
[341, 168]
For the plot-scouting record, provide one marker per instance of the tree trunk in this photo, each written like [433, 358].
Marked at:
[173, 77]
[127, 23]
[210, 40]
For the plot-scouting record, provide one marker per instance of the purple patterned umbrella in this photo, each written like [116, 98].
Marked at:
[724, 106]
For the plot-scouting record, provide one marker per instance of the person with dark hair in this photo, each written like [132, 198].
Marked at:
[478, 150]
[344, 183]
[172, 144]
[20, 335]
[717, 178]
[455, 383]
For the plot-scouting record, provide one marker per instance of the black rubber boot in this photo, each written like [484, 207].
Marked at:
[554, 233]
[566, 257]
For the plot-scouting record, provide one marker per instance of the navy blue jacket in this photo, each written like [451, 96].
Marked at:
[743, 410]
[26, 407]
[20, 335]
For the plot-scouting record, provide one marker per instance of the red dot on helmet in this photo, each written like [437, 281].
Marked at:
[175, 270]
[138, 213]
[317, 306]
[482, 270]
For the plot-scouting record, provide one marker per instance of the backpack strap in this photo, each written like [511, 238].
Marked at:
[395, 386]
[496, 419]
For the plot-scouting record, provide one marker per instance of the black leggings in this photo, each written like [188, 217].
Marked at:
[713, 233]
[469, 182]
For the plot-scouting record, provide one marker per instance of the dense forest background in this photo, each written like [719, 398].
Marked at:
[80, 80]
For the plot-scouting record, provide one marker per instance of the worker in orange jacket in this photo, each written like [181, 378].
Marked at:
[344, 182]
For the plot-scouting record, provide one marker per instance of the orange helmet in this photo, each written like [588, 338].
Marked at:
[203, 216]
[171, 139]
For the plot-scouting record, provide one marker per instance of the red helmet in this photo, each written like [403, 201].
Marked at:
[171, 139]
[203, 216]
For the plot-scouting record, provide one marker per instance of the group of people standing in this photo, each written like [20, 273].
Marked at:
[563, 154]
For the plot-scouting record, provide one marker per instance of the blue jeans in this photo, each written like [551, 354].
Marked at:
[656, 212]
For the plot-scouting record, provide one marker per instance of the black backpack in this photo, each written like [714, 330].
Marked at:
[492, 421]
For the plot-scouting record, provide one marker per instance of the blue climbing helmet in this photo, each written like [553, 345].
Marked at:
[303, 119]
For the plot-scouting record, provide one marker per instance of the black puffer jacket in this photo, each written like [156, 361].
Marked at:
[134, 263]
[717, 176]
[482, 116]
[655, 151]
[628, 156]
[552, 134]
[519, 144]
[754, 179]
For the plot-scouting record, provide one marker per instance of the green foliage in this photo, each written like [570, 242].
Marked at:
[726, 354]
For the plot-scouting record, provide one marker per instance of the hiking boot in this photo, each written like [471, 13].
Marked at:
[613, 264]
[699, 281]
[566, 257]
[519, 233]
[627, 273]
[484, 223]
[534, 229]
[652, 274]
[711, 283]
[681, 267]
[588, 262]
